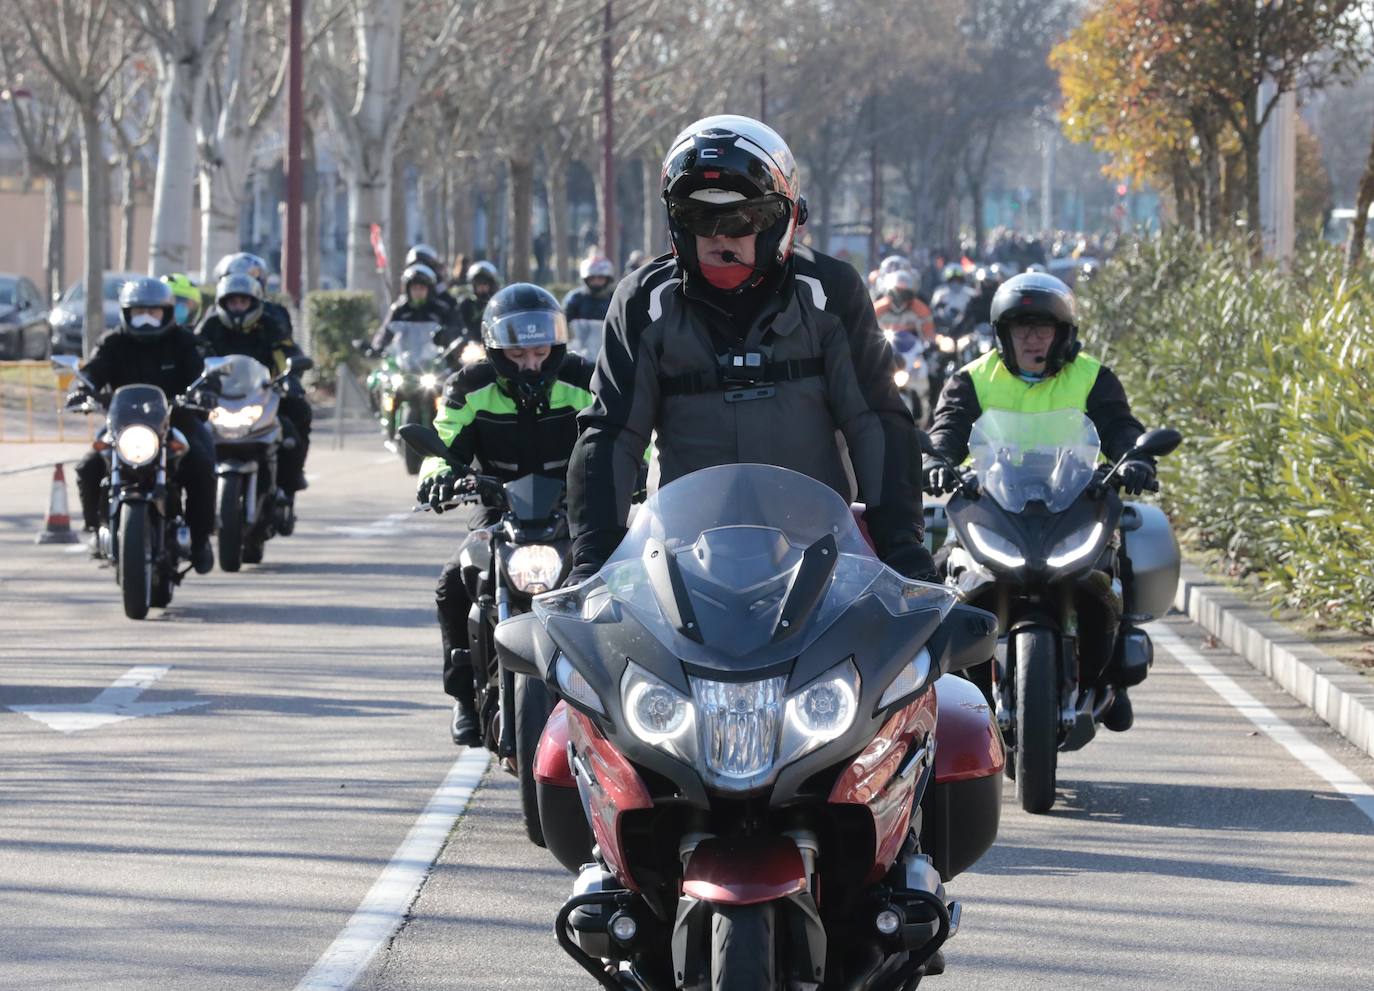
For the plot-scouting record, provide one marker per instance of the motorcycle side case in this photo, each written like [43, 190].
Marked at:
[1149, 544]
[962, 807]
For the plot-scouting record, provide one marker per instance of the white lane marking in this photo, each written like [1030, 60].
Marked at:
[1317, 760]
[384, 527]
[386, 905]
[113, 705]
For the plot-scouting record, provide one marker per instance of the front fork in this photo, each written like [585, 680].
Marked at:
[1004, 687]
[506, 745]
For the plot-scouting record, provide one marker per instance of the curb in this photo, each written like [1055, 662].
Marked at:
[1340, 696]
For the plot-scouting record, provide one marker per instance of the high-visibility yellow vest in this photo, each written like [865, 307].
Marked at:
[998, 388]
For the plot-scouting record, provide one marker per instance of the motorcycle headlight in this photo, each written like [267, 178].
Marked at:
[901, 377]
[472, 352]
[397, 380]
[995, 547]
[1075, 546]
[820, 712]
[947, 344]
[534, 568]
[235, 422]
[428, 381]
[137, 444]
[657, 713]
[739, 724]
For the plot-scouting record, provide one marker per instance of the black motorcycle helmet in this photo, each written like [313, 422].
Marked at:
[1040, 297]
[242, 263]
[733, 175]
[424, 254]
[146, 294]
[487, 274]
[525, 316]
[239, 284]
[417, 274]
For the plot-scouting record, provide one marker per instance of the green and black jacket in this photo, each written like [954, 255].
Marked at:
[482, 424]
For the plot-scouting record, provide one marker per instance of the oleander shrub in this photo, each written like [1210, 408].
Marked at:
[336, 318]
[1270, 377]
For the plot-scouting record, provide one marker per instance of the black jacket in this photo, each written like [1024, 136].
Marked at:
[431, 311]
[268, 341]
[171, 362]
[660, 371]
[1107, 407]
[483, 424]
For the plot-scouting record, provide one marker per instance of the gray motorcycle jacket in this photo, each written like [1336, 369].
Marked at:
[808, 387]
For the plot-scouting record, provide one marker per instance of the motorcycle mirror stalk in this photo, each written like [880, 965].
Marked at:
[1151, 444]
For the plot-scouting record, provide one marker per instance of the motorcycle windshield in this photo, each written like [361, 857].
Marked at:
[1021, 458]
[763, 561]
[144, 404]
[534, 498]
[242, 377]
[413, 345]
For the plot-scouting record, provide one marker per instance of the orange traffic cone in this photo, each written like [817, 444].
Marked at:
[57, 525]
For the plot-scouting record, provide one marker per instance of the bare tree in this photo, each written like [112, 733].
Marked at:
[73, 39]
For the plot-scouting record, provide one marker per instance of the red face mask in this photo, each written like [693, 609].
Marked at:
[727, 277]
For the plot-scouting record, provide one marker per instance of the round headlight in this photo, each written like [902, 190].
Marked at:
[428, 381]
[901, 377]
[824, 710]
[137, 444]
[656, 712]
[398, 380]
[535, 568]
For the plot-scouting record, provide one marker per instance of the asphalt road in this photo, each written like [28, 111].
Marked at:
[227, 844]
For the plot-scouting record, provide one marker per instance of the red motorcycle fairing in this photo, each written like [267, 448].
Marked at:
[872, 779]
[969, 743]
[551, 765]
[744, 872]
[614, 787]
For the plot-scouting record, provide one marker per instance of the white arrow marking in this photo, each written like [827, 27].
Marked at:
[113, 705]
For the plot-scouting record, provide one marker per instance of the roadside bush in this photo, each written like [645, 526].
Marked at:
[336, 319]
[1268, 376]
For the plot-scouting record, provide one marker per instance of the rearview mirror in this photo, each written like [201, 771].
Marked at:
[299, 364]
[425, 440]
[1159, 442]
[215, 364]
[66, 362]
[966, 638]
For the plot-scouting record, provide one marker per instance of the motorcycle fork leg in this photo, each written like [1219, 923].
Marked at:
[1068, 659]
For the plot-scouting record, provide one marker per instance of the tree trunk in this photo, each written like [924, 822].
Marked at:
[521, 218]
[126, 212]
[461, 217]
[655, 218]
[1354, 251]
[559, 219]
[95, 204]
[221, 200]
[310, 210]
[55, 231]
[1251, 147]
[825, 188]
[398, 230]
[169, 250]
[368, 199]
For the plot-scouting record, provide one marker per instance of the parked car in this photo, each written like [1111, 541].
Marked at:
[68, 317]
[24, 326]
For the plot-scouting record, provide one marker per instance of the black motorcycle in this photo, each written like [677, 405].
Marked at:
[248, 438]
[1039, 542]
[524, 553]
[408, 384]
[142, 532]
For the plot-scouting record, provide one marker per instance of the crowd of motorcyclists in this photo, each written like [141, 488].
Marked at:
[739, 346]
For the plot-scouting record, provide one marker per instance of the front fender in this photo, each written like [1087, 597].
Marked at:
[744, 872]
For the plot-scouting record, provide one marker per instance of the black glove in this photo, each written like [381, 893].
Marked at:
[443, 488]
[941, 479]
[912, 561]
[590, 551]
[1137, 477]
[77, 396]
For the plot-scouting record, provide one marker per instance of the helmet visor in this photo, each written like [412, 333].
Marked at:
[528, 329]
[737, 219]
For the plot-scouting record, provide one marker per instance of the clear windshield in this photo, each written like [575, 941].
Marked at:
[413, 344]
[738, 535]
[1034, 457]
[242, 376]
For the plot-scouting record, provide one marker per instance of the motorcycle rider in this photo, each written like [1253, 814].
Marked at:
[742, 347]
[949, 303]
[586, 306]
[986, 281]
[243, 262]
[1038, 366]
[188, 299]
[513, 415]
[240, 323]
[418, 303]
[899, 308]
[149, 347]
[483, 282]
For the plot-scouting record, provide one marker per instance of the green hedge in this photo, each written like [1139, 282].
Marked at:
[1269, 376]
[336, 319]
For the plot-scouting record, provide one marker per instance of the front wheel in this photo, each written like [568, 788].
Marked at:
[231, 522]
[744, 948]
[533, 706]
[135, 566]
[1037, 718]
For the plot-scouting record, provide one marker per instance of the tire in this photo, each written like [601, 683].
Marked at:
[231, 522]
[135, 568]
[533, 705]
[413, 414]
[744, 949]
[1037, 718]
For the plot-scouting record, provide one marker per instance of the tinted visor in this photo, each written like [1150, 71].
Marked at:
[528, 329]
[737, 219]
